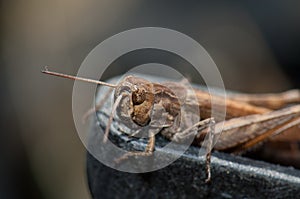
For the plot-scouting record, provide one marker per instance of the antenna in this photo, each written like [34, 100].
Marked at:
[46, 71]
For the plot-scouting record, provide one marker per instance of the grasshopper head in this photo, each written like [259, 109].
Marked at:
[138, 100]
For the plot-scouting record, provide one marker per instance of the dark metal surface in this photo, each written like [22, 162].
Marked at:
[232, 176]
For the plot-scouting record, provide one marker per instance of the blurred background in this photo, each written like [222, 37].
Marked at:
[255, 46]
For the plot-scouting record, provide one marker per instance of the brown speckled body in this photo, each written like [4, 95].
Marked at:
[245, 122]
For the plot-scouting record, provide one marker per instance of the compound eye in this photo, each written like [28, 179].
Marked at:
[138, 97]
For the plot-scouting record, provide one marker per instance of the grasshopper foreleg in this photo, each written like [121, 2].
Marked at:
[148, 151]
[98, 105]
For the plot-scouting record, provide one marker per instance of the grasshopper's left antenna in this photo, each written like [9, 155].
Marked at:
[46, 71]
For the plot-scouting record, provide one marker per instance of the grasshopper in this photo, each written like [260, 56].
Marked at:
[251, 119]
